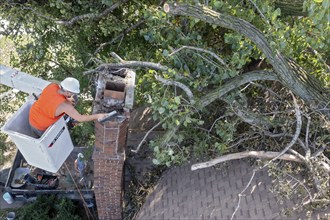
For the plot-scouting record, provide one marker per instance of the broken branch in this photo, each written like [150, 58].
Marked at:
[178, 84]
[146, 135]
[91, 16]
[296, 135]
[118, 37]
[202, 50]
[240, 155]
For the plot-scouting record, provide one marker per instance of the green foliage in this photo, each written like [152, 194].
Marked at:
[83, 133]
[46, 47]
[7, 50]
[49, 49]
[167, 156]
[49, 207]
[2, 147]
[12, 100]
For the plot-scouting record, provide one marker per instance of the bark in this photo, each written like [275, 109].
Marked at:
[291, 7]
[240, 155]
[233, 84]
[91, 16]
[178, 84]
[128, 64]
[249, 116]
[201, 50]
[288, 76]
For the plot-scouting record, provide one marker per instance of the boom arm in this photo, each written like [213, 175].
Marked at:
[21, 81]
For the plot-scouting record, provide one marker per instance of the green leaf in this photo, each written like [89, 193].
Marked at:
[177, 100]
[200, 122]
[218, 4]
[161, 110]
[165, 53]
[107, 2]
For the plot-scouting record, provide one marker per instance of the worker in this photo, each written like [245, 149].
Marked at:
[80, 164]
[55, 101]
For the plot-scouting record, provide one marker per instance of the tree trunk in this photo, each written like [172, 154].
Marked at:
[288, 76]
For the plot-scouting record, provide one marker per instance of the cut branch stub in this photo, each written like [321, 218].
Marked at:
[166, 8]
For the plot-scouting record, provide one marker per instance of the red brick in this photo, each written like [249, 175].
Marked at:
[108, 167]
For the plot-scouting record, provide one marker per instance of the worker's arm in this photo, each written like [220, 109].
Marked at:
[67, 108]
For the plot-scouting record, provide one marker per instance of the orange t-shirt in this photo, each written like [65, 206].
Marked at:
[42, 112]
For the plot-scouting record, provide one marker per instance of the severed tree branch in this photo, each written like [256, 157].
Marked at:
[199, 49]
[296, 135]
[249, 116]
[178, 84]
[72, 21]
[235, 83]
[240, 155]
[308, 152]
[91, 16]
[259, 154]
[156, 66]
[146, 135]
[205, 100]
[299, 141]
[153, 128]
[242, 193]
[128, 64]
[117, 37]
[259, 11]
[324, 201]
[286, 75]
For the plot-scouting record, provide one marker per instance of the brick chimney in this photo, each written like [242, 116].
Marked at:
[113, 93]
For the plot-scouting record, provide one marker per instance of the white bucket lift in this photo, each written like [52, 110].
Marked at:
[47, 152]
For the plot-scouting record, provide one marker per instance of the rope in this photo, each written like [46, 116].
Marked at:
[84, 202]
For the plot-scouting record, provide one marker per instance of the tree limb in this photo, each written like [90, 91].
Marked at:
[146, 135]
[286, 75]
[178, 84]
[128, 64]
[249, 116]
[325, 201]
[202, 50]
[242, 193]
[235, 83]
[207, 99]
[240, 155]
[296, 135]
[118, 36]
[259, 12]
[91, 16]
[308, 152]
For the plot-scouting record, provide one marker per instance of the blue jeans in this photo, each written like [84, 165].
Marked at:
[36, 132]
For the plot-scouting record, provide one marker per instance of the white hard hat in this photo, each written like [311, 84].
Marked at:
[80, 155]
[71, 85]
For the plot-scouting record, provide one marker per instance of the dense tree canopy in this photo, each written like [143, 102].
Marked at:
[221, 76]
